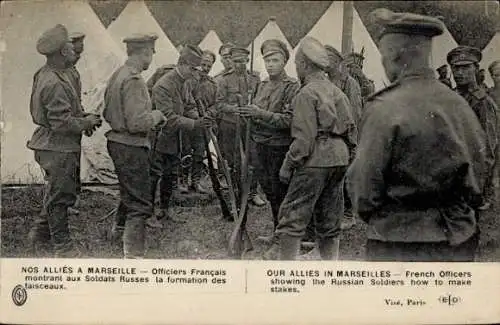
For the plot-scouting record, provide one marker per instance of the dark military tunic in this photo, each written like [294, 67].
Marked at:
[419, 167]
[322, 129]
[76, 80]
[272, 135]
[351, 88]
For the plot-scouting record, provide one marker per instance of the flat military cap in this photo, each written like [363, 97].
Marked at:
[314, 51]
[239, 53]
[77, 36]
[463, 55]
[406, 23]
[225, 48]
[141, 39]
[191, 55]
[494, 66]
[52, 40]
[273, 46]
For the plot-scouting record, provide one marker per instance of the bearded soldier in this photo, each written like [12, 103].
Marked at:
[419, 165]
[271, 114]
[464, 62]
[322, 130]
[56, 110]
[128, 111]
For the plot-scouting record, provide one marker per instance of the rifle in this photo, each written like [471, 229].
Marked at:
[228, 214]
[240, 241]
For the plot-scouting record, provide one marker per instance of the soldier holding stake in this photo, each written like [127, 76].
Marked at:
[418, 207]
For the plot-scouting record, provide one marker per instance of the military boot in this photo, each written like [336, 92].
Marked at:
[134, 238]
[329, 249]
[289, 247]
[39, 240]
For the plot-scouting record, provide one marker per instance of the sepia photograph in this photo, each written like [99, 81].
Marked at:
[224, 162]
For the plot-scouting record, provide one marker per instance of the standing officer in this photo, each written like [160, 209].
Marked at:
[129, 114]
[464, 62]
[419, 165]
[354, 64]
[443, 75]
[225, 58]
[233, 91]
[271, 115]
[56, 109]
[169, 97]
[202, 89]
[322, 129]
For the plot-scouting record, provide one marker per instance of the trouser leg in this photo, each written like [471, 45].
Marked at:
[61, 169]
[135, 185]
[198, 150]
[168, 179]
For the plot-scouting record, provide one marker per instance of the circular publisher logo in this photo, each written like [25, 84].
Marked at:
[19, 295]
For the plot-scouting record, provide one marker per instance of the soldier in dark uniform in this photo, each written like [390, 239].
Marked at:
[322, 129]
[56, 110]
[234, 89]
[225, 58]
[464, 62]
[131, 118]
[202, 89]
[443, 75]
[169, 98]
[419, 165]
[271, 114]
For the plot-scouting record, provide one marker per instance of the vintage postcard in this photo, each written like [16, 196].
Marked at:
[263, 162]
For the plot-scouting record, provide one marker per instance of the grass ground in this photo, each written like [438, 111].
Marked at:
[204, 235]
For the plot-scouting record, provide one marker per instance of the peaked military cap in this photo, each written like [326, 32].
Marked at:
[272, 46]
[191, 54]
[225, 48]
[406, 23]
[52, 40]
[76, 36]
[141, 39]
[494, 66]
[314, 51]
[239, 53]
[463, 55]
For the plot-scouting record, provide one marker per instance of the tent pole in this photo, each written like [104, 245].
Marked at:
[347, 27]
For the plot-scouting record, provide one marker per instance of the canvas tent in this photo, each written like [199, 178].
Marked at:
[270, 31]
[328, 30]
[136, 18]
[491, 53]
[212, 43]
[19, 63]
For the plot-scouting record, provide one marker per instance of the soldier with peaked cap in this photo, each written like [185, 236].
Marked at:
[234, 89]
[443, 75]
[128, 111]
[169, 98]
[464, 62]
[201, 90]
[225, 58]
[56, 110]
[420, 164]
[322, 131]
[271, 114]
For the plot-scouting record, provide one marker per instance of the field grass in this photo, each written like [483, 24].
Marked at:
[204, 235]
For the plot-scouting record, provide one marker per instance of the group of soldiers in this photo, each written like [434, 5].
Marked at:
[412, 160]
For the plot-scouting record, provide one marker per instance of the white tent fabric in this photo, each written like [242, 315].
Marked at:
[22, 23]
[328, 30]
[136, 18]
[491, 53]
[212, 43]
[441, 45]
[270, 31]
